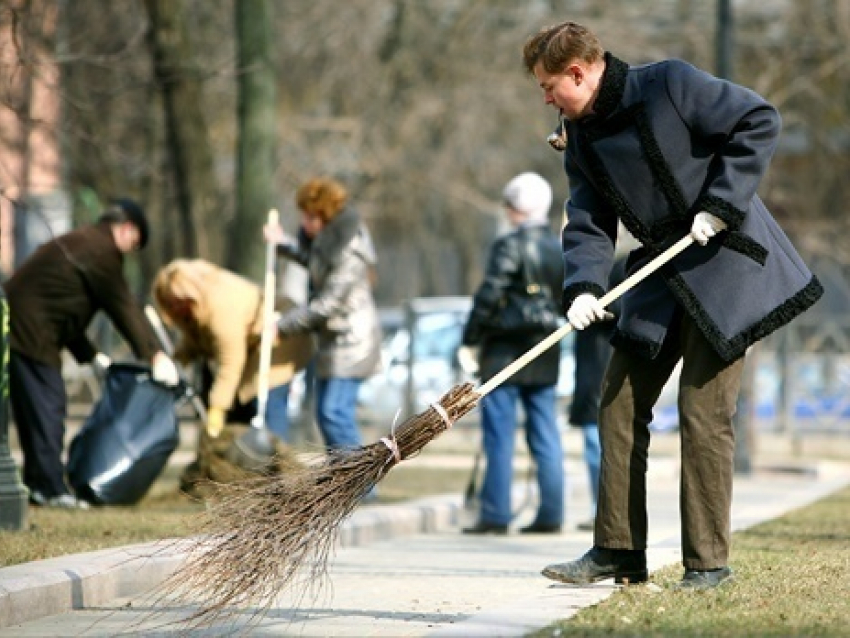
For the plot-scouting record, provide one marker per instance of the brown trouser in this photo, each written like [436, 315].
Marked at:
[708, 392]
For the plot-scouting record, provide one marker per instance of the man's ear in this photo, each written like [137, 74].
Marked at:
[576, 72]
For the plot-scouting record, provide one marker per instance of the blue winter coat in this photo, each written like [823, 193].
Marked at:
[666, 141]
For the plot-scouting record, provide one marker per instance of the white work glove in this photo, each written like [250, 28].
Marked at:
[274, 234]
[101, 361]
[705, 227]
[585, 310]
[467, 357]
[164, 370]
[100, 364]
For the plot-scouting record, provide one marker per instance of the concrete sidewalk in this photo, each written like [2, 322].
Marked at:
[401, 570]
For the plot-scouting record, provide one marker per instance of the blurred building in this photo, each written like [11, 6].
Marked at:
[33, 205]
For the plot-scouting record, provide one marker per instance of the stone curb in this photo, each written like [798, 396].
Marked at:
[54, 586]
[57, 585]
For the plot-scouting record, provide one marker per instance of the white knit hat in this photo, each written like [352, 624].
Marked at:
[530, 194]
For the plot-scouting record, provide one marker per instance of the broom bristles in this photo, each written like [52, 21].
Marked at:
[262, 536]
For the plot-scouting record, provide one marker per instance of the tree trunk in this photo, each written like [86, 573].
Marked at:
[257, 140]
[198, 204]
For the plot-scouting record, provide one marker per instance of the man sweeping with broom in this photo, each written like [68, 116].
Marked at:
[668, 150]
[677, 155]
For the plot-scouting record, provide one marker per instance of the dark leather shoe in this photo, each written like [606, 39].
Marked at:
[625, 566]
[705, 579]
[486, 528]
[540, 528]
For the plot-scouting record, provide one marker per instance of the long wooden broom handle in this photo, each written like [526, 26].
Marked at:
[267, 335]
[563, 331]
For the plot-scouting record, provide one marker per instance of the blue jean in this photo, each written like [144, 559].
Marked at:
[499, 421]
[277, 411]
[336, 403]
[593, 460]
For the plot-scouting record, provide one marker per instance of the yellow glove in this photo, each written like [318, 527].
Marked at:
[215, 422]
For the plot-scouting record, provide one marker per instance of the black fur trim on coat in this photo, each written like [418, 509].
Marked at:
[612, 86]
[681, 214]
[733, 216]
[611, 194]
[603, 123]
[731, 349]
[745, 245]
[607, 121]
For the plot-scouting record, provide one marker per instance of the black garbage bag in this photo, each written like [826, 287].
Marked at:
[126, 441]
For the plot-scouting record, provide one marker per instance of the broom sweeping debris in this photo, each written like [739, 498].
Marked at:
[274, 533]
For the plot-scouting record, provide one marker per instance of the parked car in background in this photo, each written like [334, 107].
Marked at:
[813, 390]
[423, 337]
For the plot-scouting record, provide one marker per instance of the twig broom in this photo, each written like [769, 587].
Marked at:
[274, 533]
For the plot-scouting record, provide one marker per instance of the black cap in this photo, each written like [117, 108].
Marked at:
[125, 209]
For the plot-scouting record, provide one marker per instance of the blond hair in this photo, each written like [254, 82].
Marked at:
[183, 280]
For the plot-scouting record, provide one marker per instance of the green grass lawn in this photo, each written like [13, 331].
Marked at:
[792, 579]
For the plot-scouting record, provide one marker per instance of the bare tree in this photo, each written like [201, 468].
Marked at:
[109, 120]
[432, 132]
[421, 108]
[257, 142]
[188, 142]
[802, 64]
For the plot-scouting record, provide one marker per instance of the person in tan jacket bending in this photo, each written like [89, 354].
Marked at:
[219, 316]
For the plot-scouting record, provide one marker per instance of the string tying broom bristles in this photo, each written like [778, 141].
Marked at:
[264, 535]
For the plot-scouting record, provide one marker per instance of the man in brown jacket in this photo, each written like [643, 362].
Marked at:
[53, 297]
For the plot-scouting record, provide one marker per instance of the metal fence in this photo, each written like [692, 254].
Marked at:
[802, 378]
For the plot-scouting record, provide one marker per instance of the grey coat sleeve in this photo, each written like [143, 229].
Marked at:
[329, 300]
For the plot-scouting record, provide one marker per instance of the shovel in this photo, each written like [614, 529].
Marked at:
[255, 450]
